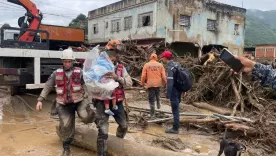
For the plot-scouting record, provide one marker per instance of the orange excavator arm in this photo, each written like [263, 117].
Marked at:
[31, 20]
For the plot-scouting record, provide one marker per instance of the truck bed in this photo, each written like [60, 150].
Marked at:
[60, 33]
[26, 67]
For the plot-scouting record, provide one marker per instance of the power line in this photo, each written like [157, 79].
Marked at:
[9, 8]
[56, 6]
[58, 15]
[8, 4]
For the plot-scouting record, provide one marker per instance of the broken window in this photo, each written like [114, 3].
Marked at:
[15, 36]
[211, 25]
[185, 21]
[95, 28]
[128, 23]
[166, 2]
[145, 19]
[236, 29]
[106, 25]
[115, 25]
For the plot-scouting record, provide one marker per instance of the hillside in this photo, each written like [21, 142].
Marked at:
[260, 27]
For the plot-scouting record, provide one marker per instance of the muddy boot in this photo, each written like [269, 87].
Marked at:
[152, 112]
[172, 131]
[66, 151]
[101, 147]
[152, 117]
[158, 106]
[66, 148]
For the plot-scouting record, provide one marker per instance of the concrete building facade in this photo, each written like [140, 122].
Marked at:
[202, 22]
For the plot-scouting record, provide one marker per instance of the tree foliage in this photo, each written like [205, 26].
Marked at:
[80, 22]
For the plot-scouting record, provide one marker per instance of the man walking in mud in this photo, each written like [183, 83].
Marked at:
[70, 98]
[172, 92]
[120, 75]
[154, 76]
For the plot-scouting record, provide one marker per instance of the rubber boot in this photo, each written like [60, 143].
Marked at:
[102, 147]
[152, 113]
[172, 131]
[158, 106]
[66, 149]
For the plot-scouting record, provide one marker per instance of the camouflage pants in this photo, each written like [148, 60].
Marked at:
[102, 124]
[66, 115]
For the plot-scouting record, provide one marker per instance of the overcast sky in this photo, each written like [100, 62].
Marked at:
[61, 12]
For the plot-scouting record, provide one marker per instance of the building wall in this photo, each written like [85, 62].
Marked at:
[136, 32]
[166, 18]
[200, 11]
[266, 51]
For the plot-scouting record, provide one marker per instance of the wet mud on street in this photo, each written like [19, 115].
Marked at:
[27, 133]
[24, 132]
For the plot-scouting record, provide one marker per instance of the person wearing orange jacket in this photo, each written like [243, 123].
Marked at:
[154, 76]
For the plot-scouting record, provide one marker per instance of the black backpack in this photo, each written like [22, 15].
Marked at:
[182, 79]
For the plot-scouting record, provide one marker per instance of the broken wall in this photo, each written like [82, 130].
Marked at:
[229, 24]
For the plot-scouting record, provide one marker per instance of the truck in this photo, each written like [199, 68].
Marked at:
[29, 54]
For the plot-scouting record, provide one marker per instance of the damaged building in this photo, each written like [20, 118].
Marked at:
[189, 25]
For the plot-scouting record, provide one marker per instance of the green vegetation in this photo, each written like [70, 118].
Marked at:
[80, 22]
[260, 27]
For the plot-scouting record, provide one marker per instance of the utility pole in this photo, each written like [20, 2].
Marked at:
[242, 3]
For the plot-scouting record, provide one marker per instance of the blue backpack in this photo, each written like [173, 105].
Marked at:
[182, 79]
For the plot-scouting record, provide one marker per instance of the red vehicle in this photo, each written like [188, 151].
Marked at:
[30, 59]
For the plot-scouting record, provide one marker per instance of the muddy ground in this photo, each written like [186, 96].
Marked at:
[24, 132]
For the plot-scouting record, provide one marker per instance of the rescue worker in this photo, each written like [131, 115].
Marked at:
[71, 98]
[265, 73]
[121, 76]
[153, 75]
[172, 93]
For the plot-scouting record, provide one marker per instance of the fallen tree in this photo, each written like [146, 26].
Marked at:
[211, 108]
[87, 138]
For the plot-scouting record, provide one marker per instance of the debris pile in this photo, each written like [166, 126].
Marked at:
[134, 57]
[249, 106]
[217, 85]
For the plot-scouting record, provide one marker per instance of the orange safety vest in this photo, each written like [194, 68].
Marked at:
[119, 91]
[76, 89]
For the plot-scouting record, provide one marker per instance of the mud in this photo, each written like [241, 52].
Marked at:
[27, 133]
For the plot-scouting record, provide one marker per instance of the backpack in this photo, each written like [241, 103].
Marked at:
[182, 79]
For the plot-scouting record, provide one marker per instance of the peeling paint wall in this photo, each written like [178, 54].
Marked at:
[200, 11]
[230, 22]
[136, 32]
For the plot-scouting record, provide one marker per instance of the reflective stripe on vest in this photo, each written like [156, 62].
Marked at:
[75, 90]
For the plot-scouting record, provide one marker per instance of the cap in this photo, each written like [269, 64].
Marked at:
[166, 54]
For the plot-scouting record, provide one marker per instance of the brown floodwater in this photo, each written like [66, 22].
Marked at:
[27, 133]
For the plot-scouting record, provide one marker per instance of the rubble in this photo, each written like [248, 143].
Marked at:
[217, 89]
[217, 85]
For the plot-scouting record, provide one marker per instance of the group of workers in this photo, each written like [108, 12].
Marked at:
[72, 93]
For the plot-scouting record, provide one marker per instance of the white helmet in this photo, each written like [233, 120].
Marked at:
[68, 54]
